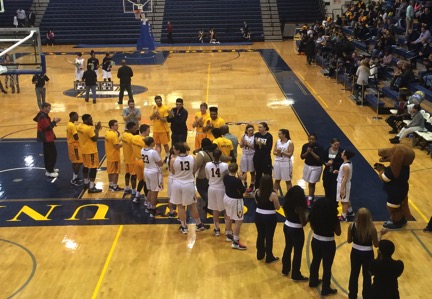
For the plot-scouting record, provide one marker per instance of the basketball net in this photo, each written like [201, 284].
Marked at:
[138, 12]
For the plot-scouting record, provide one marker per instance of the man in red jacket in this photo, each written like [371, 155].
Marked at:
[46, 135]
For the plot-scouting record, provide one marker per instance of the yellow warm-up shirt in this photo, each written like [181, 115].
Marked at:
[85, 133]
[158, 125]
[128, 148]
[112, 153]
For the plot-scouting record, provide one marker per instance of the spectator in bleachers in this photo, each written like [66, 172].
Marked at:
[425, 77]
[201, 35]
[22, 17]
[401, 12]
[401, 114]
[417, 124]
[426, 17]
[424, 34]
[31, 18]
[423, 52]
[402, 78]
[409, 16]
[412, 36]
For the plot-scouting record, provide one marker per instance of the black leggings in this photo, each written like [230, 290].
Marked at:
[360, 259]
[266, 226]
[294, 238]
[325, 251]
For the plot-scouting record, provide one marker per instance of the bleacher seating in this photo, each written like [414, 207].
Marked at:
[90, 22]
[11, 6]
[300, 11]
[225, 16]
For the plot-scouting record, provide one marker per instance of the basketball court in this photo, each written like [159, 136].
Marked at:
[58, 241]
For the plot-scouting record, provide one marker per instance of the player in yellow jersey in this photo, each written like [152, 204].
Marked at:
[112, 152]
[199, 123]
[137, 146]
[87, 137]
[129, 157]
[160, 126]
[74, 148]
[214, 121]
[224, 144]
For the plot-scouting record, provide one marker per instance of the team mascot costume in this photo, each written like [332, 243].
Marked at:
[395, 178]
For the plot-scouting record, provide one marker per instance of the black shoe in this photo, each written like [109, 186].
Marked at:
[427, 229]
[299, 278]
[120, 103]
[76, 182]
[327, 292]
[394, 131]
[272, 260]
[128, 191]
[94, 190]
[314, 285]
[285, 273]
[87, 100]
[260, 256]
[394, 140]
[94, 102]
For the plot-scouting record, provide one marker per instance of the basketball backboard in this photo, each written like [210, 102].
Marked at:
[1, 6]
[20, 51]
[131, 6]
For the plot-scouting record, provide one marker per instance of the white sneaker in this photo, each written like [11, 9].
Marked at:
[51, 174]
[56, 170]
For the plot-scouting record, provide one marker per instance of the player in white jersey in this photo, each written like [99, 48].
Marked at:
[152, 173]
[79, 66]
[246, 163]
[183, 187]
[215, 172]
[344, 185]
[283, 151]
[172, 213]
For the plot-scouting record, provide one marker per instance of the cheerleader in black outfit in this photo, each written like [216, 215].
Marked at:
[295, 208]
[325, 224]
[265, 218]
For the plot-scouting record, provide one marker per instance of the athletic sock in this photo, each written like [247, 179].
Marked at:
[228, 232]
[92, 185]
[236, 238]
[74, 176]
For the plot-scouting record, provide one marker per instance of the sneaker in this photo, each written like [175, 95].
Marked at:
[216, 232]
[114, 189]
[94, 102]
[94, 190]
[183, 230]
[51, 174]
[76, 182]
[229, 238]
[87, 100]
[238, 245]
[120, 103]
[135, 200]
[127, 191]
[394, 140]
[201, 227]
[172, 215]
[393, 131]
[56, 170]
[328, 291]
[342, 218]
